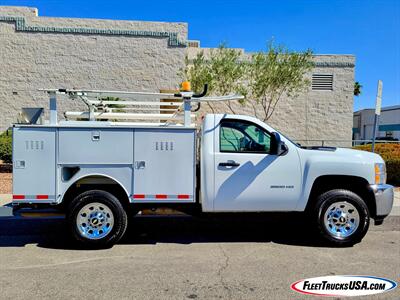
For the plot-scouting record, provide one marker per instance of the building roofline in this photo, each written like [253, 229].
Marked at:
[386, 108]
[32, 8]
[22, 25]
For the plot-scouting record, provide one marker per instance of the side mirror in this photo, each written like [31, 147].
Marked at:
[278, 147]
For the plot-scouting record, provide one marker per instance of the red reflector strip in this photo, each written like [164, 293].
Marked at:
[18, 197]
[41, 197]
[161, 196]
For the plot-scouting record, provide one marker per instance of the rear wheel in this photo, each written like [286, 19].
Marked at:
[96, 219]
[342, 216]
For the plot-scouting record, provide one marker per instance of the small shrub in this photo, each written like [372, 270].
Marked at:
[391, 155]
[6, 147]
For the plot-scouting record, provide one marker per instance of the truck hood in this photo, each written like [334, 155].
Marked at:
[339, 161]
[359, 155]
[345, 154]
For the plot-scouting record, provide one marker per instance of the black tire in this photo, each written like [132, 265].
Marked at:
[120, 219]
[325, 201]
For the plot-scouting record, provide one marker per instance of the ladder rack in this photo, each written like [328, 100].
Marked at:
[165, 108]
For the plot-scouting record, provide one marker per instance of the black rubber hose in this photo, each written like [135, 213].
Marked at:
[197, 108]
[202, 93]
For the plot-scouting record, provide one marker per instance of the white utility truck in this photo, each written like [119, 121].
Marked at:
[141, 151]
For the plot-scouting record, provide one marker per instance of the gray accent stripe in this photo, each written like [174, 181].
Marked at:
[322, 64]
[20, 25]
[334, 64]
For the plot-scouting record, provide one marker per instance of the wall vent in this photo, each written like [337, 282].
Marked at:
[194, 44]
[322, 82]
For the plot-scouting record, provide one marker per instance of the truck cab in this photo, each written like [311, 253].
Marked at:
[247, 166]
[254, 168]
[240, 155]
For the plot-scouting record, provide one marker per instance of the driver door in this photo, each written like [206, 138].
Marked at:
[248, 177]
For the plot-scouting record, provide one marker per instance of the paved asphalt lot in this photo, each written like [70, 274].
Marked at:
[186, 258]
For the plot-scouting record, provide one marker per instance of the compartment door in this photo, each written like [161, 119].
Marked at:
[34, 160]
[164, 165]
[95, 146]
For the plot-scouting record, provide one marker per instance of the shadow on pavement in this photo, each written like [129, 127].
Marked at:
[289, 229]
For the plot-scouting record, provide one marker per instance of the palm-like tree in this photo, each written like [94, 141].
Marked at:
[357, 88]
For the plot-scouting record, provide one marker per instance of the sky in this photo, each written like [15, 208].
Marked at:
[368, 29]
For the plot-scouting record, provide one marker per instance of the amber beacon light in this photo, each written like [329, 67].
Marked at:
[186, 86]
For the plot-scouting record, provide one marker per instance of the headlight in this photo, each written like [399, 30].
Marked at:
[380, 173]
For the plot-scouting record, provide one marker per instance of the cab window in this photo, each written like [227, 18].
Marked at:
[243, 137]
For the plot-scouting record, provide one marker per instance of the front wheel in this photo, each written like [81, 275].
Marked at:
[96, 219]
[342, 216]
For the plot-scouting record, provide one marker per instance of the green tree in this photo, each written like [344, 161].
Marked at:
[274, 73]
[223, 71]
[228, 73]
[357, 88]
[262, 78]
[6, 146]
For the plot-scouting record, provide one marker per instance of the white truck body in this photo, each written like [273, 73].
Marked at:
[243, 165]
[158, 165]
[150, 164]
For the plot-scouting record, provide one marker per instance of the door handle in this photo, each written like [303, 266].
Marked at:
[140, 164]
[229, 163]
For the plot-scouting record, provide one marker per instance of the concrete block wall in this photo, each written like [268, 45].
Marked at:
[40, 52]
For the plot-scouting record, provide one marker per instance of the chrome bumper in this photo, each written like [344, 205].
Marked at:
[384, 197]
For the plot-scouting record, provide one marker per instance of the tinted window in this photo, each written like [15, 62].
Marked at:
[240, 136]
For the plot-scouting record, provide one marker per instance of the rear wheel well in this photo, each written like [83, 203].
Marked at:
[357, 185]
[96, 182]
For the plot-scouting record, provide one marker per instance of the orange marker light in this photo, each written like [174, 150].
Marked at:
[186, 86]
[377, 169]
[377, 178]
[379, 173]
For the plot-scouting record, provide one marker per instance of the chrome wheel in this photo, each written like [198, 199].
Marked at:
[341, 219]
[95, 221]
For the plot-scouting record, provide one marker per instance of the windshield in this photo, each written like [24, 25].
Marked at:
[298, 145]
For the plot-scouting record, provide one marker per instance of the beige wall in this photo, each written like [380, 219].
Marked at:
[32, 60]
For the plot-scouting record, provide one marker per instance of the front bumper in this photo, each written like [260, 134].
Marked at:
[384, 197]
